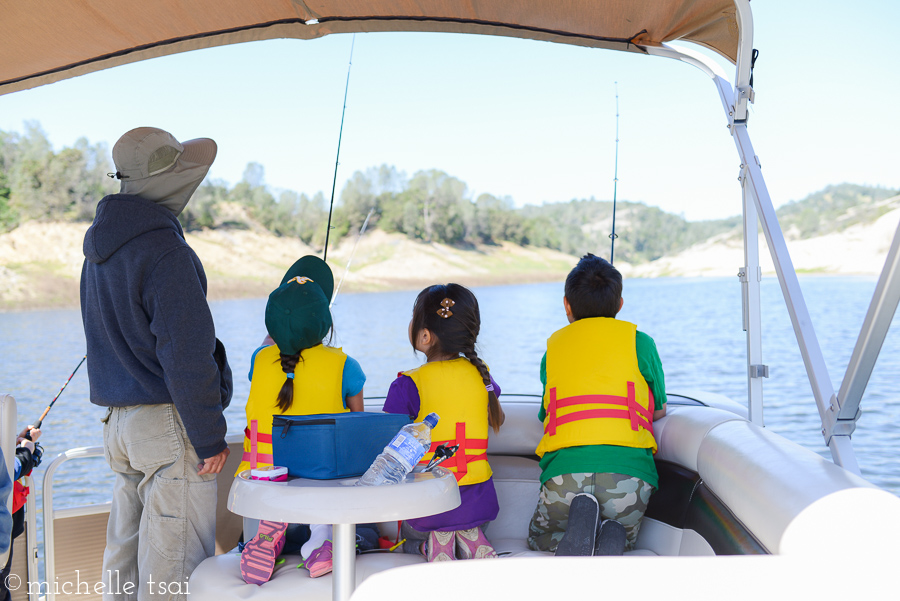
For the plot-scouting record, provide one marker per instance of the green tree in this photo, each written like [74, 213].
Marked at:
[47, 185]
[8, 215]
[202, 210]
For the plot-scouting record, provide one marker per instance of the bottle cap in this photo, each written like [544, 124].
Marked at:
[431, 419]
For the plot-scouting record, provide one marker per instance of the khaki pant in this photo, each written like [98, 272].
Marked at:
[162, 521]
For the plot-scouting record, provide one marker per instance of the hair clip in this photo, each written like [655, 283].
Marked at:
[489, 388]
[290, 376]
[445, 311]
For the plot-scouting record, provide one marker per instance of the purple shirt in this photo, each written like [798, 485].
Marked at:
[478, 502]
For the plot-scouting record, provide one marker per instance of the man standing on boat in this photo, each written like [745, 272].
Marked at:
[155, 362]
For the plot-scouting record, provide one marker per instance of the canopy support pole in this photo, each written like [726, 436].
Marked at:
[844, 409]
[750, 276]
[816, 370]
[813, 360]
[743, 93]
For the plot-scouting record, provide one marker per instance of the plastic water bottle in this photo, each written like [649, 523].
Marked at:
[402, 454]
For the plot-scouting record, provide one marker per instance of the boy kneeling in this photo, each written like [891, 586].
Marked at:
[603, 388]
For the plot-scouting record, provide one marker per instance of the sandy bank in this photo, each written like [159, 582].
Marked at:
[859, 249]
[40, 263]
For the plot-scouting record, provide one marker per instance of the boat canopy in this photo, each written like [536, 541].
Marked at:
[43, 41]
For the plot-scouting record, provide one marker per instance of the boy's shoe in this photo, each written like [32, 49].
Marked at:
[610, 538]
[320, 561]
[473, 544]
[440, 546]
[414, 547]
[259, 555]
[581, 533]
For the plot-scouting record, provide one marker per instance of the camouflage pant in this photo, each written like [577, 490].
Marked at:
[621, 497]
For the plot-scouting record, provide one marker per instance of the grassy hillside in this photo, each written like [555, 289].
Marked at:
[644, 233]
[836, 208]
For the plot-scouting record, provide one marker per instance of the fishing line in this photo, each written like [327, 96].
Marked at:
[613, 236]
[362, 231]
[338, 159]
[37, 424]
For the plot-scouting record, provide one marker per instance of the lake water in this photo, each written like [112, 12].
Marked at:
[696, 324]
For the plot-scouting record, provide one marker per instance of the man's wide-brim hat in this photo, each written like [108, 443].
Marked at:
[152, 164]
[147, 151]
[297, 314]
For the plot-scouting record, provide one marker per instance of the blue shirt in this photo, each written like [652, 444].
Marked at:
[353, 378]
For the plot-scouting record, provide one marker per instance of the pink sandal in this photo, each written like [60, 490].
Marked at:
[473, 544]
[259, 555]
[439, 546]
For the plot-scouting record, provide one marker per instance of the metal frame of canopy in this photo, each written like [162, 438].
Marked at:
[838, 411]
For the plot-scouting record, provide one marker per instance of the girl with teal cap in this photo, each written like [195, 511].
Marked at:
[296, 374]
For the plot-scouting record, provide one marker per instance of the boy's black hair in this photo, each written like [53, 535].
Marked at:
[594, 288]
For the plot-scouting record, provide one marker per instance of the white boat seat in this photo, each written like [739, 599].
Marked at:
[219, 578]
[726, 487]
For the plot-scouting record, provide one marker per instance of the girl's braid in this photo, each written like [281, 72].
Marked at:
[494, 412]
[286, 394]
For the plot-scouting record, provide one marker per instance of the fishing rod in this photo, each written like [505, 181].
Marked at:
[613, 235]
[338, 159]
[37, 424]
[362, 231]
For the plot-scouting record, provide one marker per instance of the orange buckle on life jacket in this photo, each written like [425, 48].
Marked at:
[635, 413]
[460, 459]
[256, 437]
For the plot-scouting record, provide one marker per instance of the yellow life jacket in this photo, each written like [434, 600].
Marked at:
[318, 380]
[455, 391]
[595, 393]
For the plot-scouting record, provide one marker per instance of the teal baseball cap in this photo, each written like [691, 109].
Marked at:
[297, 315]
[314, 268]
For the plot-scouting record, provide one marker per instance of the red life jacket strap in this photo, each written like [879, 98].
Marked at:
[631, 409]
[258, 457]
[255, 438]
[461, 459]
[471, 443]
[260, 437]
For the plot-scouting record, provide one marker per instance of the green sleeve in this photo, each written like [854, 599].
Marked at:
[651, 367]
[541, 413]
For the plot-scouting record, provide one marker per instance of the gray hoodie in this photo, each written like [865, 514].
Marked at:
[149, 332]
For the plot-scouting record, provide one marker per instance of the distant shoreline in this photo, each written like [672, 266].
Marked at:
[40, 263]
[223, 292]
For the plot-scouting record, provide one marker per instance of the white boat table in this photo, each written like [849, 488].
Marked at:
[342, 504]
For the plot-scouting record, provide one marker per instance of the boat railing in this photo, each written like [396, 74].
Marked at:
[76, 534]
[25, 556]
[8, 417]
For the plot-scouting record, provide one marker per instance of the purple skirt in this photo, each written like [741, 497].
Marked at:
[478, 504]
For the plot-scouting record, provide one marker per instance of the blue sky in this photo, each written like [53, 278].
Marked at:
[532, 120]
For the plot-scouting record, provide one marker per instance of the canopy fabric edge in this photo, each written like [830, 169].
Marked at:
[298, 29]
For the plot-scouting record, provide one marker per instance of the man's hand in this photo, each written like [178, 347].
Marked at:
[214, 464]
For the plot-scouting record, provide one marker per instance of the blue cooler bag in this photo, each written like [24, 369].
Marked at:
[332, 445]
